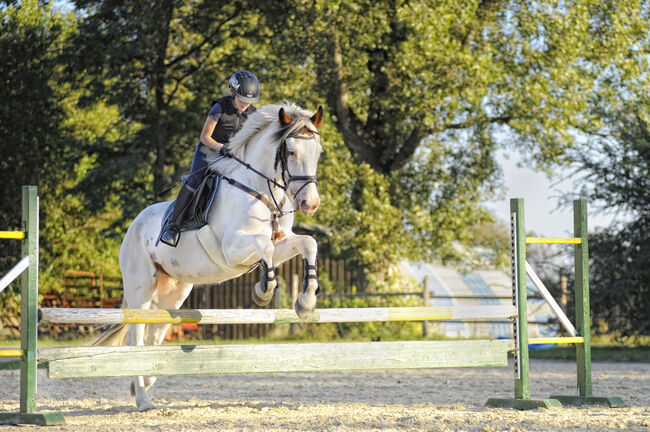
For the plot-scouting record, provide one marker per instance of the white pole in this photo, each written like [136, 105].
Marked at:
[550, 300]
[14, 273]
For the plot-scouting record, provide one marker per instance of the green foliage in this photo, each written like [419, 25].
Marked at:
[418, 96]
[162, 64]
[422, 94]
[615, 174]
[33, 139]
[43, 137]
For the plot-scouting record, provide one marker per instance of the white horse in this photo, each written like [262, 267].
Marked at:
[275, 155]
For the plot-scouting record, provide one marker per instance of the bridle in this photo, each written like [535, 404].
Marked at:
[287, 178]
[281, 158]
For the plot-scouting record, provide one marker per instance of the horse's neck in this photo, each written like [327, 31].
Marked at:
[260, 157]
[259, 183]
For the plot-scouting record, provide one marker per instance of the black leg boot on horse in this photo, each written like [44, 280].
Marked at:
[171, 232]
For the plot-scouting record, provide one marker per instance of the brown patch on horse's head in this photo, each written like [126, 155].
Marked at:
[317, 118]
[305, 131]
[285, 118]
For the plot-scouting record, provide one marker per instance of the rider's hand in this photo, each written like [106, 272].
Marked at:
[224, 151]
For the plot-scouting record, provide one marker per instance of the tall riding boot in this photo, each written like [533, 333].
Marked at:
[171, 232]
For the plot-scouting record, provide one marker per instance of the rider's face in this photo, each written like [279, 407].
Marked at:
[241, 105]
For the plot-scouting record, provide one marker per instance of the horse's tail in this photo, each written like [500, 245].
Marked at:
[114, 335]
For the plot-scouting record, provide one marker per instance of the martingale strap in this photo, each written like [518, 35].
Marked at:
[276, 209]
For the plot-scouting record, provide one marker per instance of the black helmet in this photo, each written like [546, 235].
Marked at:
[245, 85]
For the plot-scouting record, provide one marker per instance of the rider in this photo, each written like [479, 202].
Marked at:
[226, 117]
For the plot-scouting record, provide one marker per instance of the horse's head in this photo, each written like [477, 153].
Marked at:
[298, 159]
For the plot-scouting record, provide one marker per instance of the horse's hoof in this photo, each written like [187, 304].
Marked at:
[145, 406]
[148, 382]
[303, 312]
[263, 299]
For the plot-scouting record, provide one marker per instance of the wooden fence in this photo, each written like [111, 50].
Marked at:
[236, 294]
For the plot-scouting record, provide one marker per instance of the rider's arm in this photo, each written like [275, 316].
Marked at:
[206, 134]
[208, 128]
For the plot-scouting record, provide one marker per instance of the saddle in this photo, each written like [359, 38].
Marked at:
[196, 214]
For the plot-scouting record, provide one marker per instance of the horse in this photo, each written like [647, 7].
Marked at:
[269, 170]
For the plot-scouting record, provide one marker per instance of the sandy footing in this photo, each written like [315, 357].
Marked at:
[412, 400]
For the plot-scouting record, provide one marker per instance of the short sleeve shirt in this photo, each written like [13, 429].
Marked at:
[215, 112]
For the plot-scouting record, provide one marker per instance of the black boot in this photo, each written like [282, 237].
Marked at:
[171, 232]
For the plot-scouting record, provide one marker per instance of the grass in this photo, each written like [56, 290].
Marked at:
[603, 348]
[598, 353]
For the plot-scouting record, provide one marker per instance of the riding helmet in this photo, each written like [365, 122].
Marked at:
[245, 85]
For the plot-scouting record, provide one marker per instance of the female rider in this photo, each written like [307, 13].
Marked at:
[226, 117]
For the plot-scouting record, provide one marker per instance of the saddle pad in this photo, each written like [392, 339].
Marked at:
[212, 246]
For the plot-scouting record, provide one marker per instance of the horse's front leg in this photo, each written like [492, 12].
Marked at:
[305, 245]
[235, 251]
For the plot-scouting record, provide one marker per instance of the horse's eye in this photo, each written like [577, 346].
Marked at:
[292, 153]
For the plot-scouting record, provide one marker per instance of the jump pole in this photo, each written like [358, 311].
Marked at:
[28, 319]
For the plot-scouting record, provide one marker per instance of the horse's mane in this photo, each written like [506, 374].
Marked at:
[257, 123]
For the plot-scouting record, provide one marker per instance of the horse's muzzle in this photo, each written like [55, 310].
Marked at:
[309, 206]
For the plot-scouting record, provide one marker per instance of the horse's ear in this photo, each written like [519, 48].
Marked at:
[317, 118]
[285, 118]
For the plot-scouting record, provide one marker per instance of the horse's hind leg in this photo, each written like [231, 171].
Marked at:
[139, 276]
[171, 295]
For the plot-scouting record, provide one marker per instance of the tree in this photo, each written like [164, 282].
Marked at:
[32, 140]
[40, 127]
[161, 63]
[615, 174]
[422, 94]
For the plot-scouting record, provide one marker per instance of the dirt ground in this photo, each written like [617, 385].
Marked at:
[411, 400]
